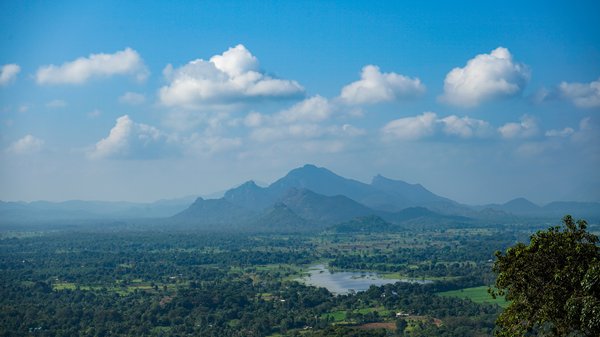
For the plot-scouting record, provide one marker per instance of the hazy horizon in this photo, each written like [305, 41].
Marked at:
[478, 102]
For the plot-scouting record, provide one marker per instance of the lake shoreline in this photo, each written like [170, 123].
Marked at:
[346, 282]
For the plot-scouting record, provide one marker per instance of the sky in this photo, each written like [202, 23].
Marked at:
[478, 101]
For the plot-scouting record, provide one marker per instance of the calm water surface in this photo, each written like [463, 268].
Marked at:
[346, 282]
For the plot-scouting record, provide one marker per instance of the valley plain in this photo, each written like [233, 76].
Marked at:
[237, 266]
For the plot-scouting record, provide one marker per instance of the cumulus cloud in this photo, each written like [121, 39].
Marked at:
[131, 140]
[375, 87]
[583, 140]
[411, 128]
[26, 145]
[587, 132]
[310, 110]
[254, 119]
[8, 73]
[484, 77]
[303, 120]
[465, 127]
[428, 124]
[526, 128]
[313, 109]
[124, 62]
[351, 130]
[560, 133]
[583, 95]
[232, 77]
[128, 139]
[132, 98]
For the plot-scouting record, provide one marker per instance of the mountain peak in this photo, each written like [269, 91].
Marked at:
[309, 169]
[521, 202]
[249, 195]
[249, 184]
[381, 180]
[309, 176]
[520, 205]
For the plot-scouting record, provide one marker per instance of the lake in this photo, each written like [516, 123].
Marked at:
[341, 283]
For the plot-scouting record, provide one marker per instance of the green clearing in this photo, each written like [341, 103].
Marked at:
[336, 316]
[72, 286]
[340, 316]
[475, 294]
[64, 286]
[121, 290]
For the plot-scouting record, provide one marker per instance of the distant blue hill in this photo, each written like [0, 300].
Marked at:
[383, 194]
[306, 198]
[310, 198]
[557, 209]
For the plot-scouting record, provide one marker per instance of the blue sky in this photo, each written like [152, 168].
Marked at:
[137, 100]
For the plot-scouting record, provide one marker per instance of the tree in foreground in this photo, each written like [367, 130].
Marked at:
[553, 284]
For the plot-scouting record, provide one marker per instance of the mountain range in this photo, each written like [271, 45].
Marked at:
[314, 198]
[308, 198]
[382, 194]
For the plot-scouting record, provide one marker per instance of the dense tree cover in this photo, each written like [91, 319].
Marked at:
[553, 283]
[456, 255]
[180, 284]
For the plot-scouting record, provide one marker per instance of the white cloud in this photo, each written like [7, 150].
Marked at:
[428, 124]
[486, 76]
[583, 139]
[254, 119]
[229, 78]
[132, 98]
[588, 132]
[313, 109]
[583, 95]
[560, 133]
[524, 129]
[542, 95]
[310, 110]
[352, 131]
[375, 87]
[411, 128]
[56, 104]
[131, 140]
[128, 139]
[26, 145]
[304, 120]
[8, 73]
[124, 62]
[465, 127]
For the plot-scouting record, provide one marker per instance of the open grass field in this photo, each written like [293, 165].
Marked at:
[475, 294]
[121, 290]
